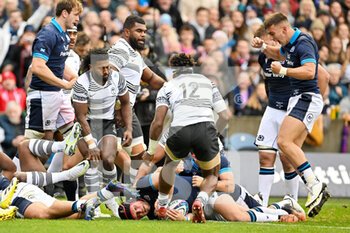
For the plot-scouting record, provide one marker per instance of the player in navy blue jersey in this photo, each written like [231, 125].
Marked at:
[278, 90]
[45, 113]
[299, 54]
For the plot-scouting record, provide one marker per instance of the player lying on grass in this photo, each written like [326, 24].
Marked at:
[29, 201]
[220, 207]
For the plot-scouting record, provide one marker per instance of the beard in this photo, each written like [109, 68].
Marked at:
[135, 45]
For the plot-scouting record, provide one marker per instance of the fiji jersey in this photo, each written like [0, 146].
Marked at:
[52, 45]
[191, 98]
[300, 50]
[278, 85]
[100, 99]
[130, 64]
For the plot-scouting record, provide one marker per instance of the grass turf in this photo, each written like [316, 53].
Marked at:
[334, 217]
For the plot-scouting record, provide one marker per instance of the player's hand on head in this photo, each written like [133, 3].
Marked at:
[175, 215]
[257, 42]
[127, 138]
[276, 67]
[197, 181]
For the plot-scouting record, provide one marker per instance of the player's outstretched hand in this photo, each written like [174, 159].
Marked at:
[94, 154]
[127, 138]
[276, 67]
[257, 42]
[175, 215]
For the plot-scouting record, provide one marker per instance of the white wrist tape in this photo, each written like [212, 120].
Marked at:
[152, 145]
[88, 137]
[263, 47]
[283, 71]
[92, 146]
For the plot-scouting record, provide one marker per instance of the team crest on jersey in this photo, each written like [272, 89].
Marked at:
[292, 49]
[260, 138]
[309, 117]
[113, 91]
[47, 122]
[66, 47]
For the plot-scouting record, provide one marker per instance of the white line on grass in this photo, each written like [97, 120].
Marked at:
[299, 225]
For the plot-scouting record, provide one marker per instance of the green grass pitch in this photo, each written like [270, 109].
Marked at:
[334, 217]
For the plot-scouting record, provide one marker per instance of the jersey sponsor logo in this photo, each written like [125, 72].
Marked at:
[64, 54]
[260, 138]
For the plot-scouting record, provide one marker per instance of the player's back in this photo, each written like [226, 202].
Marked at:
[191, 99]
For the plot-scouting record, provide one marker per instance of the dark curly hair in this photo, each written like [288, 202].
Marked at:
[94, 55]
[181, 59]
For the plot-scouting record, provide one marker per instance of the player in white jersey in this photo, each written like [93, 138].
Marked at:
[94, 97]
[191, 98]
[125, 58]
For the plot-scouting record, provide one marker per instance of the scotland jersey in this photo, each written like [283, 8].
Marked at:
[52, 45]
[130, 64]
[278, 85]
[300, 50]
[101, 99]
[191, 98]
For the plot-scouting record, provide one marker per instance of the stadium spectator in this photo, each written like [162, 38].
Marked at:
[82, 45]
[214, 17]
[284, 7]
[345, 70]
[13, 28]
[324, 54]
[120, 15]
[9, 92]
[109, 26]
[307, 13]
[336, 12]
[336, 89]
[186, 40]
[238, 97]
[317, 30]
[326, 20]
[257, 102]
[132, 6]
[110, 5]
[20, 57]
[96, 32]
[336, 53]
[167, 7]
[226, 7]
[202, 28]
[343, 32]
[241, 56]
[12, 122]
[188, 9]
[239, 24]
[91, 18]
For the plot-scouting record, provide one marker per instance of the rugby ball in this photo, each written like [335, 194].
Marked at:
[180, 205]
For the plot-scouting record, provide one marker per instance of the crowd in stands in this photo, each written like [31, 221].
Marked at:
[217, 32]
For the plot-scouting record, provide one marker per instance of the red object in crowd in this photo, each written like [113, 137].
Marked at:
[17, 94]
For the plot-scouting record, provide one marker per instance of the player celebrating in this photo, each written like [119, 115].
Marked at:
[300, 54]
[191, 98]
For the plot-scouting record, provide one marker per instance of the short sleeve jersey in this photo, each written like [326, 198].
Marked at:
[301, 49]
[52, 45]
[130, 64]
[101, 99]
[191, 98]
[278, 85]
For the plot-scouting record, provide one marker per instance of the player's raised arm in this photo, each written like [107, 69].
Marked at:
[273, 52]
[152, 79]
